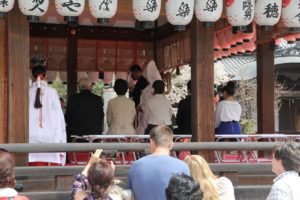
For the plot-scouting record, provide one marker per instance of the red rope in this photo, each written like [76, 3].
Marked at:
[5, 84]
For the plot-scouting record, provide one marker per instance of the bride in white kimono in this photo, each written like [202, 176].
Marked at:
[46, 119]
[152, 74]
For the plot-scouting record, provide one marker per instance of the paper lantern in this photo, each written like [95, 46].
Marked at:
[33, 9]
[146, 11]
[103, 10]
[70, 9]
[208, 11]
[291, 15]
[267, 13]
[6, 6]
[179, 13]
[240, 13]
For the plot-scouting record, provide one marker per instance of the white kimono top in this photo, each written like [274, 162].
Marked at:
[51, 117]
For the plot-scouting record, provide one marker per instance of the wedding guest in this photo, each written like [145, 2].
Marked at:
[151, 74]
[184, 113]
[158, 110]
[84, 114]
[120, 111]
[136, 74]
[228, 112]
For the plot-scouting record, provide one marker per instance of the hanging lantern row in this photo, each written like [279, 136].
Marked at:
[240, 13]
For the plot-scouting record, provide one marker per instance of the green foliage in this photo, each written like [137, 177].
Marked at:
[98, 88]
[60, 87]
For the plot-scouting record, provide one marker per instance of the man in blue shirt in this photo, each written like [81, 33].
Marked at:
[149, 176]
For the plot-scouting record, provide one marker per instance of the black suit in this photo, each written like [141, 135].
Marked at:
[183, 118]
[137, 91]
[84, 114]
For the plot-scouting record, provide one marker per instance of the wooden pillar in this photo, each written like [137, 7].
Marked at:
[18, 75]
[18, 79]
[202, 63]
[72, 61]
[265, 83]
[3, 81]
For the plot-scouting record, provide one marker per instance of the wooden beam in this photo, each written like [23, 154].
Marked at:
[72, 62]
[89, 32]
[3, 81]
[265, 83]
[202, 63]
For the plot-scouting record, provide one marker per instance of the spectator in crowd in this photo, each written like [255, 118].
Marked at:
[7, 178]
[84, 114]
[184, 114]
[46, 120]
[151, 74]
[97, 174]
[183, 187]
[149, 176]
[286, 165]
[120, 111]
[213, 187]
[158, 110]
[228, 112]
[136, 74]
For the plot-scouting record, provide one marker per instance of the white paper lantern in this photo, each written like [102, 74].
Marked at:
[291, 14]
[6, 6]
[70, 8]
[146, 10]
[179, 12]
[208, 10]
[240, 13]
[103, 10]
[267, 12]
[33, 9]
